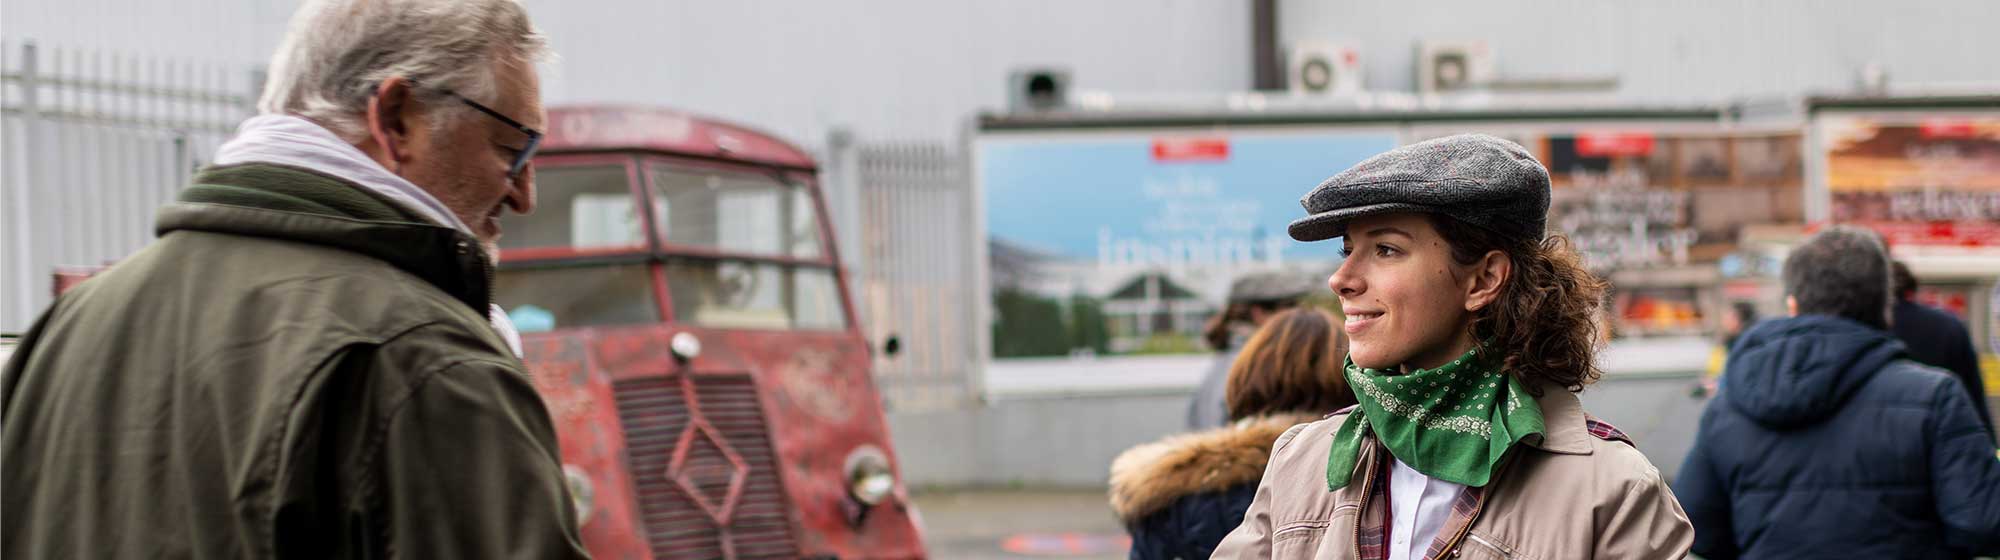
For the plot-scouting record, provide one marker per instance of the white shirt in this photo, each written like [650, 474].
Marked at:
[1418, 507]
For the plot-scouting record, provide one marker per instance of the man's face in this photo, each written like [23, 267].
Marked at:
[465, 163]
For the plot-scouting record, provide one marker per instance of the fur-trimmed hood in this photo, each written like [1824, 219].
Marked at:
[1149, 477]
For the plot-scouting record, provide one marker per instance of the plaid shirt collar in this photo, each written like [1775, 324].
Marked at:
[1372, 528]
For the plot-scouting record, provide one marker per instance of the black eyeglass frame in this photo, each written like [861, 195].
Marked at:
[534, 136]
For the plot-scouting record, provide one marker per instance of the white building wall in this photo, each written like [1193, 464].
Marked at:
[1675, 50]
[905, 69]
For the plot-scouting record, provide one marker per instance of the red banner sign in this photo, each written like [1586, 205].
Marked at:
[1614, 145]
[1190, 149]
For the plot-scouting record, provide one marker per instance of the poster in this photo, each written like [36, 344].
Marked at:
[1126, 242]
[1919, 180]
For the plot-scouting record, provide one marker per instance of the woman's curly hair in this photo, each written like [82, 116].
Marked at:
[1543, 325]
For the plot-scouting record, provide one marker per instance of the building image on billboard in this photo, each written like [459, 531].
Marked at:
[1122, 243]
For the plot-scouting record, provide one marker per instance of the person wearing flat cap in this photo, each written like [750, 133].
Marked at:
[1470, 329]
[1253, 298]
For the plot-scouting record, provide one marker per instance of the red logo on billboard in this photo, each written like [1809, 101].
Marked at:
[1190, 149]
[1614, 144]
[1947, 128]
[1937, 234]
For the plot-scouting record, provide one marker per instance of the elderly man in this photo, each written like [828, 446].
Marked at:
[305, 364]
[1828, 441]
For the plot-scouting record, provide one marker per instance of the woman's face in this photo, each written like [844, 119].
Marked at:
[1407, 302]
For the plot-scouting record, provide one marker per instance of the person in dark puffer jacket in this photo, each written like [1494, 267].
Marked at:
[1178, 497]
[1828, 441]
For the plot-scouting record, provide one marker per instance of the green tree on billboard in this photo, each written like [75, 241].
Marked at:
[1026, 325]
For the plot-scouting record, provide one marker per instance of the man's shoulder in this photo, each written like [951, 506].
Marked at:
[1928, 320]
[1905, 379]
[348, 282]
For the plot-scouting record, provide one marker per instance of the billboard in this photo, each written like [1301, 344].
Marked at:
[1653, 198]
[1126, 242]
[1920, 180]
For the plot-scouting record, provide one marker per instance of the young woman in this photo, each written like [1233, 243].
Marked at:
[1469, 332]
[1179, 496]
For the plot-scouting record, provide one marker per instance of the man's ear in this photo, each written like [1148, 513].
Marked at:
[1488, 276]
[391, 116]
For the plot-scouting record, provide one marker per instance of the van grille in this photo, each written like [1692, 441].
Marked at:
[691, 512]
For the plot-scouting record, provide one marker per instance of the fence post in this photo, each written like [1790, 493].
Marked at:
[23, 249]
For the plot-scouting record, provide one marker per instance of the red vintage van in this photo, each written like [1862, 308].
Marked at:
[686, 317]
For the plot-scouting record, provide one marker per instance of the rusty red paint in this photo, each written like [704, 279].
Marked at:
[69, 277]
[590, 438]
[624, 128]
[814, 392]
[810, 390]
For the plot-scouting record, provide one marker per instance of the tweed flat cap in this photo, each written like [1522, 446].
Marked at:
[1478, 179]
[1269, 286]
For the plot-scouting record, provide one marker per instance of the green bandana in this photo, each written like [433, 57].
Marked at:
[1452, 423]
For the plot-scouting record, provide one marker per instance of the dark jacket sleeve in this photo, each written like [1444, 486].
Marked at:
[1192, 526]
[1967, 478]
[1705, 497]
[470, 469]
[1963, 362]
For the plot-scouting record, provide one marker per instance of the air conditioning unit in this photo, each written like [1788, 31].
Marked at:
[1453, 66]
[1038, 89]
[1320, 68]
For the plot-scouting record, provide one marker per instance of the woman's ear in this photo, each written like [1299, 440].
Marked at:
[1488, 276]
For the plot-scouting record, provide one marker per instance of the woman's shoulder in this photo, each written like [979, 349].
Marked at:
[1599, 451]
[1149, 477]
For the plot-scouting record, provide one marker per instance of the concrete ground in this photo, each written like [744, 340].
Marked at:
[996, 524]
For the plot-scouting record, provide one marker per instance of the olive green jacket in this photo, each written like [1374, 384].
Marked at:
[296, 368]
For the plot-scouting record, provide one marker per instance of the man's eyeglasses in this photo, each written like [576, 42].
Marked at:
[534, 136]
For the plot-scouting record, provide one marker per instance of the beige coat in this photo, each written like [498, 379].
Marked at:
[1570, 495]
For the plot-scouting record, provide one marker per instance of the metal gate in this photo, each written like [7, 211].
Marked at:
[906, 216]
[94, 143]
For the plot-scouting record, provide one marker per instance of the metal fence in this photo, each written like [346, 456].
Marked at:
[909, 229]
[91, 144]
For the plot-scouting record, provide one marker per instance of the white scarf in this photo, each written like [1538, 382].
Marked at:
[296, 142]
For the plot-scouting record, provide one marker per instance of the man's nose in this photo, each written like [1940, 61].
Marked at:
[521, 192]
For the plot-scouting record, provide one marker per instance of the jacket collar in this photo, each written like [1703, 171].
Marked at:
[295, 142]
[302, 205]
[1150, 477]
[1563, 420]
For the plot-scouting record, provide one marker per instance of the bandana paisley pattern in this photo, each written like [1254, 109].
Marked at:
[1451, 423]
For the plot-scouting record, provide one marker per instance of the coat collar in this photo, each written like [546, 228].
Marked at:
[1564, 420]
[1151, 477]
[292, 204]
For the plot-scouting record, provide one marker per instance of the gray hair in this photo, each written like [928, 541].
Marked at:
[338, 51]
[1842, 271]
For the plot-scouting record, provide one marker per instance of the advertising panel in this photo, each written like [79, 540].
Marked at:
[1126, 242]
[1920, 180]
